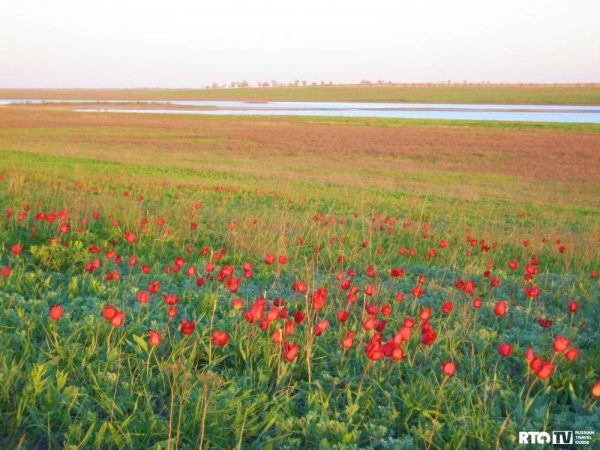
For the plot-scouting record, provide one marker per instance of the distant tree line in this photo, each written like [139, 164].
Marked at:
[303, 83]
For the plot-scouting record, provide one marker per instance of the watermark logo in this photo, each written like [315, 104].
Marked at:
[557, 437]
[562, 437]
[534, 437]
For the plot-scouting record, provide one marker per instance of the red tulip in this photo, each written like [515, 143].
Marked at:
[500, 309]
[572, 354]
[172, 312]
[299, 317]
[386, 310]
[495, 282]
[6, 272]
[596, 389]
[232, 284]
[237, 303]
[370, 290]
[529, 354]
[118, 319]
[283, 259]
[109, 312]
[273, 314]
[477, 303]
[448, 368]
[505, 350]
[397, 353]
[269, 259]
[399, 296]
[447, 307]
[256, 312]
[300, 287]
[535, 363]
[277, 336]
[289, 327]
[170, 299]
[187, 327]
[342, 316]
[544, 370]
[143, 297]
[573, 307]
[17, 249]
[154, 338]
[374, 351]
[130, 237]
[425, 314]
[348, 341]
[428, 338]
[380, 327]
[321, 327]
[154, 287]
[531, 292]
[219, 338]
[56, 312]
[290, 352]
[319, 298]
[560, 344]
[545, 323]
[513, 265]
[369, 323]
[417, 291]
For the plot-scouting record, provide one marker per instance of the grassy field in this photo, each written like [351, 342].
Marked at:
[493, 94]
[446, 249]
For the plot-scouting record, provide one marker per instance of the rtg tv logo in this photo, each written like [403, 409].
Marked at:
[537, 437]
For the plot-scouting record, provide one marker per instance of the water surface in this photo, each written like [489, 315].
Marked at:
[517, 113]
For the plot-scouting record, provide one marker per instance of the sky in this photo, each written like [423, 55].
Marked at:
[193, 43]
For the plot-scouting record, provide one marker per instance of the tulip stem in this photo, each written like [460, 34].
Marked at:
[439, 402]
[525, 408]
[363, 379]
[205, 403]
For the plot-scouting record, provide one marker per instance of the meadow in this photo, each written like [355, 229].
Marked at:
[290, 283]
[540, 94]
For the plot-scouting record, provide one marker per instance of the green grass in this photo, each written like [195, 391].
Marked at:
[494, 94]
[79, 382]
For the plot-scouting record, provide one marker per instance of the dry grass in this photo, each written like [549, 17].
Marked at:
[537, 94]
[471, 162]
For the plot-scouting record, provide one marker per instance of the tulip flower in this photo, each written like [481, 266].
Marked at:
[348, 341]
[319, 298]
[154, 338]
[290, 351]
[118, 319]
[56, 312]
[187, 327]
[109, 312]
[596, 389]
[544, 370]
[220, 338]
[448, 368]
[572, 354]
[500, 309]
[561, 344]
[505, 350]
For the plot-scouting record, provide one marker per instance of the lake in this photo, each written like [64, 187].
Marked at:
[517, 113]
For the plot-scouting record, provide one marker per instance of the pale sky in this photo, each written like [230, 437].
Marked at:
[186, 43]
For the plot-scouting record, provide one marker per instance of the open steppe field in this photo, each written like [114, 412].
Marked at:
[568, 94]
[257, 282]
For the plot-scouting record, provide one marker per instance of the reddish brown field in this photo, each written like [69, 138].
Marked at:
[457, 160]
